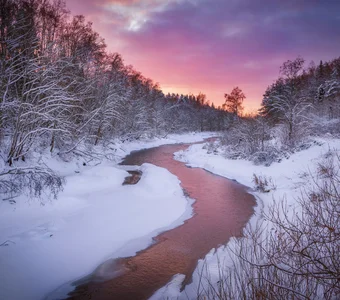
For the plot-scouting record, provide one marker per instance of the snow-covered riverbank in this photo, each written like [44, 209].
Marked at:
[288, 178]
[95, 218]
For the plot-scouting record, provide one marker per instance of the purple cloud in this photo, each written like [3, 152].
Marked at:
[212, 46]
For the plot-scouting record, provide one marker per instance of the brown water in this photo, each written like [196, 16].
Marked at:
[222, 209]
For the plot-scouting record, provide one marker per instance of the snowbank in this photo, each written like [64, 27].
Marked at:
[288, 177]
[121, 149]
[94, 219]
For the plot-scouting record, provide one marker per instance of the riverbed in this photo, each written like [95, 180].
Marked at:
[222, 208]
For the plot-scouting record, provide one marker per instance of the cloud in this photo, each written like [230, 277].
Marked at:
[137, 12]
[214, 45]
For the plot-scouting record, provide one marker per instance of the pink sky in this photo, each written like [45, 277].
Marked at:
[211, 46]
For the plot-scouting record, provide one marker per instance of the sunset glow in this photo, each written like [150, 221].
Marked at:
[192, 46]
[141, 140]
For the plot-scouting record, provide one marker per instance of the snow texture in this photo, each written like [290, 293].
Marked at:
[289, 178]
[51, 243]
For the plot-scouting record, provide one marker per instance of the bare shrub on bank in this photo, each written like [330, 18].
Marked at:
[35, 181]
[290, 253]
[263, 184]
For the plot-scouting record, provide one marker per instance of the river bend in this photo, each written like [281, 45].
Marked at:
[221, 210]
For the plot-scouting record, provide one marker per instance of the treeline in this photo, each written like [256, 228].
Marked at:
[292, 252]
[61, 90]
[300, 103]
[302, 95]
[60, 86]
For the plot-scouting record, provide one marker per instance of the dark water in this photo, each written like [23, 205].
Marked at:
[222, 209]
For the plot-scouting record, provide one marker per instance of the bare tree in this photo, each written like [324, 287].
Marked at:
[233, 101]
[60, 90]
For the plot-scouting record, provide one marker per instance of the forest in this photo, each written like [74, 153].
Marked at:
[301, 103]
[63, 91]
[64, 94]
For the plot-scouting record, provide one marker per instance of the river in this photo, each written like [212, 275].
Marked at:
[221, 210]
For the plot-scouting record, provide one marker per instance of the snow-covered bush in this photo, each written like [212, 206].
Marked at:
[246, 137]
[266, 157]
[252, 139]
[289, 141]
[34, 181]
[322, 127]
[211, 147]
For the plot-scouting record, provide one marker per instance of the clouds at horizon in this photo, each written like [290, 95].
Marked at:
[212, 46]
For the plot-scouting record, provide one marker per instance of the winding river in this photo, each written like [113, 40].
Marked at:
[222, 209]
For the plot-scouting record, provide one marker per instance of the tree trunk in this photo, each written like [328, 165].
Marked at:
[53, 138]
[98, 136]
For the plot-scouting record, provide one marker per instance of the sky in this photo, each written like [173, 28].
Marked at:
[212, 46]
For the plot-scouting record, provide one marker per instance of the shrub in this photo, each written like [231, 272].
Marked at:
[33, 180]
[290, 253]
[263, 184]
[265, 158]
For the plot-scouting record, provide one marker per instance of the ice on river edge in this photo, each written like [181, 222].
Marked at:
[95, 218]
[67, 239]
[287, 176]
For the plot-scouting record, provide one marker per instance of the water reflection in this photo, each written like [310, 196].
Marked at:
[222, 209]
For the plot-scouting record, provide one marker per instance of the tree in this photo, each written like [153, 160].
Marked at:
[234, 100]
[329, 94]
[286, 100]
[60, 89]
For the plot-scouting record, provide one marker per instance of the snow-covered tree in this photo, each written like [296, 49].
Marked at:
[287, 102]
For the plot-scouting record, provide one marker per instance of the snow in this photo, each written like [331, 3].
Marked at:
[55, 242]
[121, 149]
[288, 177]
[93, 220]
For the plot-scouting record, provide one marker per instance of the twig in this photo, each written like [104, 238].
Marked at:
[6, 243]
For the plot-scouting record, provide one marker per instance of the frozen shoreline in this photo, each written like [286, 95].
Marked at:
[95, 218]
[287, 176]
